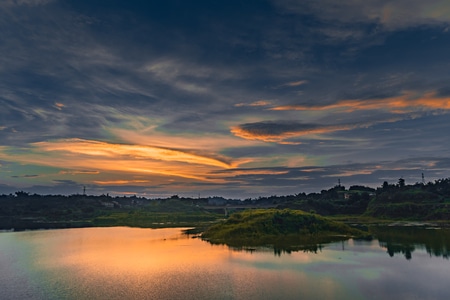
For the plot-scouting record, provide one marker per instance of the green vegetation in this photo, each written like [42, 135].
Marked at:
[358, 204]
[418, 202]
[24, 211]
[272, 226]
[412, 202]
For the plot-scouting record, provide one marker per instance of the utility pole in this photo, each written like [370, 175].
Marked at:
[84, 190]
[423, 179]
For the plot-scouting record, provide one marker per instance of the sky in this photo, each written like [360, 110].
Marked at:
[238, 99]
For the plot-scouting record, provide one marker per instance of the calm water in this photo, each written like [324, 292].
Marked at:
[130, 263]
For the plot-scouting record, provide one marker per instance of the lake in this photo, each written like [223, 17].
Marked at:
[134, 263]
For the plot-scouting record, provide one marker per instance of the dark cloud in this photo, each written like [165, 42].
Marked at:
[65, 182]
[283, 131]
[444, 91]
[24, 176]
[277, 128]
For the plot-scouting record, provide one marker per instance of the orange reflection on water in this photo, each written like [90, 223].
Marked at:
[130, 249]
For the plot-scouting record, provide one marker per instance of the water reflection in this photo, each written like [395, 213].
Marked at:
[131, 263]
[405, 240]
[277, 251]
[396, 240]
[283, 244]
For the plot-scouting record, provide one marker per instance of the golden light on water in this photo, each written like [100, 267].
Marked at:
[129, 249]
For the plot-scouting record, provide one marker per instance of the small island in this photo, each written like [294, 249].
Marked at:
[279, 228]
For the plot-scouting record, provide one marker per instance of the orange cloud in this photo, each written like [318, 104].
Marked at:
[119, 182]
[96, 148]
[407, 102]
[59, 106]
[273, 132]
[182, 142]
[153, 163]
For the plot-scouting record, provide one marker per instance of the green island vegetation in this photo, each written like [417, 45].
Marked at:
[295, 219]
[277, 227]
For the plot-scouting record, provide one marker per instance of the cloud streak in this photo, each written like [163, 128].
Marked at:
[282, 131]
[405, 103]
[272, 131]
[89, 157]
[138, 152]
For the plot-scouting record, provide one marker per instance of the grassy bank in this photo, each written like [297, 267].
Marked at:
[149, 219]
